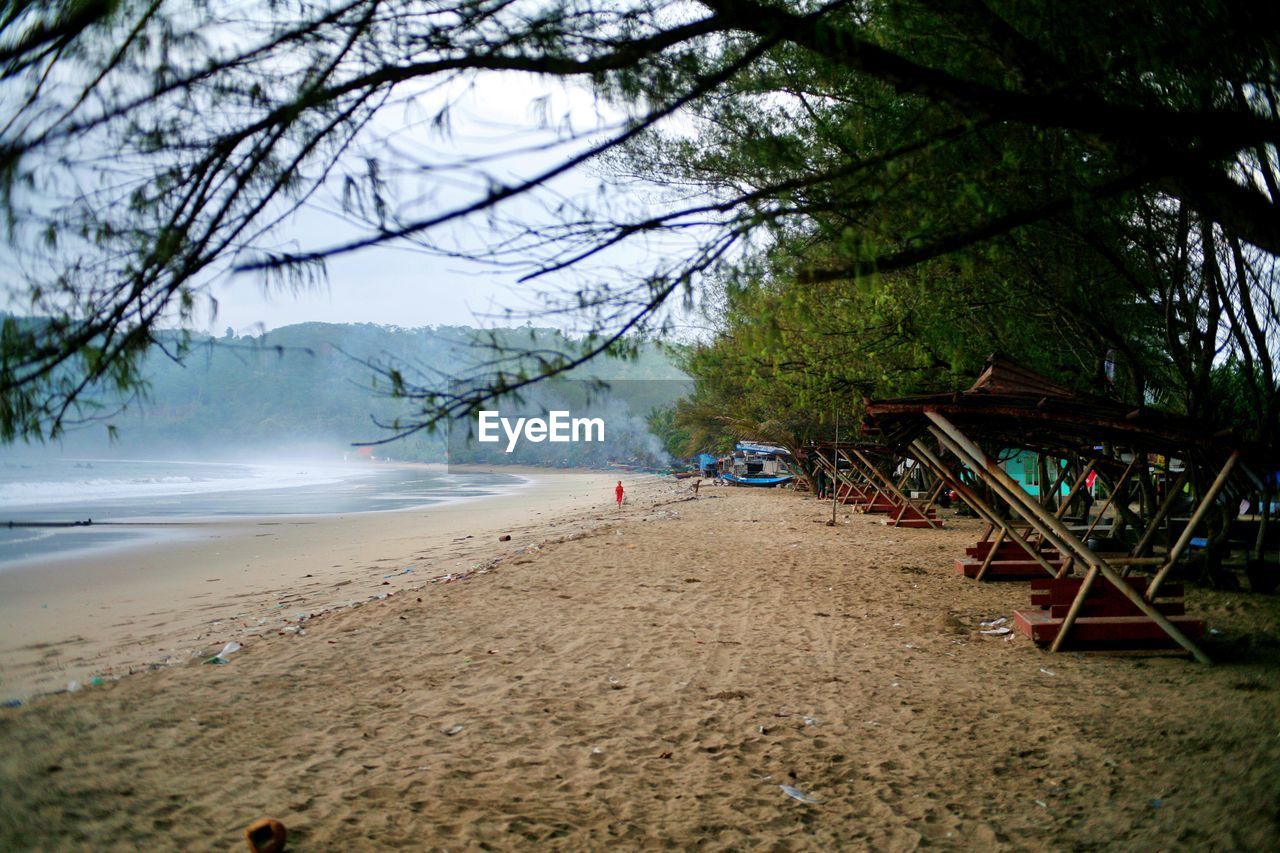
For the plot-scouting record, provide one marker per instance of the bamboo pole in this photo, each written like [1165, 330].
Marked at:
[1139, 550]
[906, 503]
[1005, 492]
[835, 491]
[1077, 604]
[855, 464]
[991, 555]
[1120, 484]
[980, 506]
[1001, 482]
[1207, 501]
[1069, 561]
[1049, 524]
[1062, 471]
[868, 479]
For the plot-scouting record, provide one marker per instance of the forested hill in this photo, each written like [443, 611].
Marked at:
[310, 387]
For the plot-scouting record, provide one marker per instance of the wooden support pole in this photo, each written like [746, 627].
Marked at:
[975, 503]
[1077, 604]
[1061, 471]
[1008, 493]
[991, 555]
[1207, 501]
[867, 480]
[981, 508]
[934, 495]
[906, 503]
[1120, 484]
[1144, 544]
[1069, 561]
[834, 470]
[1053, 529]
[1075, 487]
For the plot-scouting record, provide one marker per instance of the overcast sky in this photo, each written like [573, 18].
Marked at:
[408, 287]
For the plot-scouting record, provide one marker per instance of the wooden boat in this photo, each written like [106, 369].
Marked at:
[761, 465]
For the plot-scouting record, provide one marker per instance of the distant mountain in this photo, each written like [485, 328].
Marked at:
[310, 387]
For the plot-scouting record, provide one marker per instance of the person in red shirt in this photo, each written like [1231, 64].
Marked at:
[619, 492]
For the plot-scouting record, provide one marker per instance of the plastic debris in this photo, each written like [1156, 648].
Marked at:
[1041, 803]
[797, 794]
[996, 632]
[1155, 804]
[1047, 672]
[810, 721]
[73, 686]
[453, 730]
[994, 622]
[227, 650]
[11, 703]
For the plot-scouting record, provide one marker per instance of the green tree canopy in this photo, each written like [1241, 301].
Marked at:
[151, 146]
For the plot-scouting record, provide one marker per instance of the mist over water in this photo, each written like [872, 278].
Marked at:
[116, 492]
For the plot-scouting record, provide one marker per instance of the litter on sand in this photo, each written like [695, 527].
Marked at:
[797, 794]
[227, 650]
[994, 622]
[1047, 672]
[996, 632]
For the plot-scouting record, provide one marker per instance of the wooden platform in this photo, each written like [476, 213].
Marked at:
[1107, 618]
[880, 503]
[1007, 551]
[910, 516]
[851, 494]
[1105, 631]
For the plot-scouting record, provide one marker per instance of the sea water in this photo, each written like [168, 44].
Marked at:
[126, 499]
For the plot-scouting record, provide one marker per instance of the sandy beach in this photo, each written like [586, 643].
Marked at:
[620, 679]
[121, 610]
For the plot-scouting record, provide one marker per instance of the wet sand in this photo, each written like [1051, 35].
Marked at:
[163, 601]
[653, 678]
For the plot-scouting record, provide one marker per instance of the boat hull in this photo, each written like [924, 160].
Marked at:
[756, 481]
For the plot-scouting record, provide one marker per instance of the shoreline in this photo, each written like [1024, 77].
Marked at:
[145, 532]
[133, 606]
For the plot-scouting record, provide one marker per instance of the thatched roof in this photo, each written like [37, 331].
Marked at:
[1014, 407]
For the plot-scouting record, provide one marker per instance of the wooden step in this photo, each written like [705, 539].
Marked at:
[849, 491]
[1108, 631]
[913, 523]
[1006, 569]
[1104, 599]
[1012, 550]
[1116, 607]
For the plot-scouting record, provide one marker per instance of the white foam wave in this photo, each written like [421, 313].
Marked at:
[232, 478]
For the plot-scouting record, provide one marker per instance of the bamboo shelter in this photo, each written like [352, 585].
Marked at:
[872, 478]
[1083, 594]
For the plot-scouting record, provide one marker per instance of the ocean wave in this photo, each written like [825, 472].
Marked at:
[69, 489]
